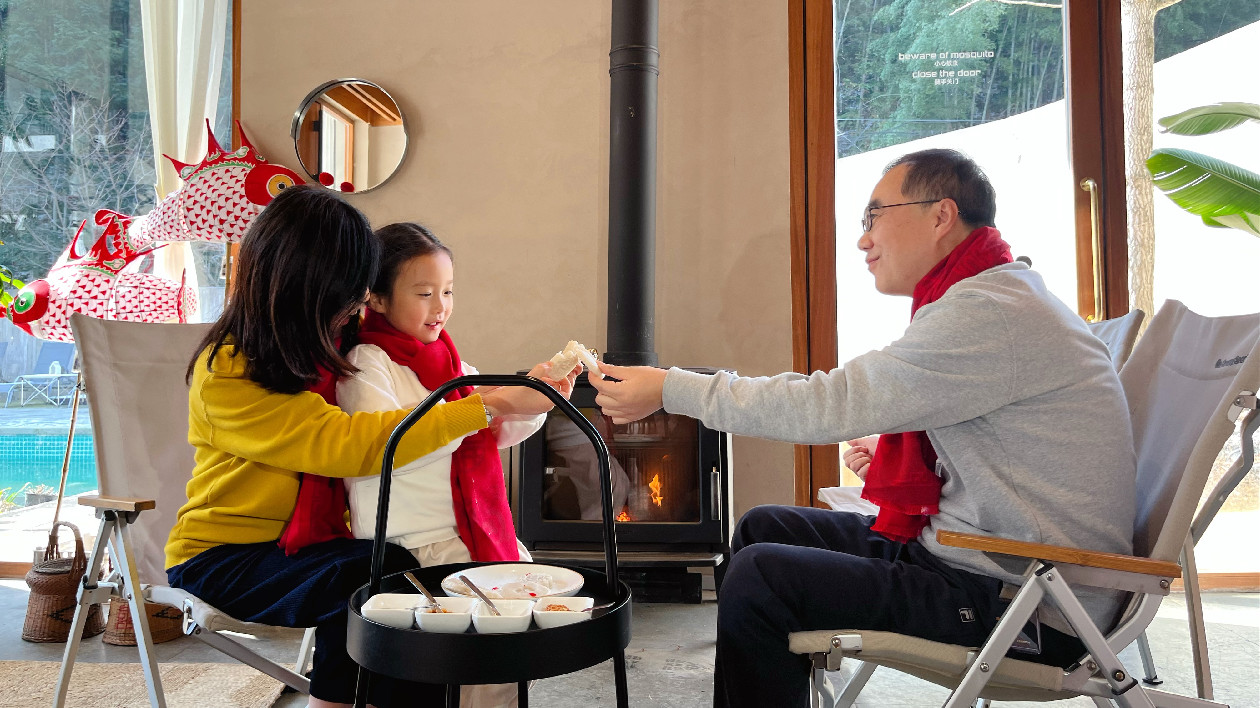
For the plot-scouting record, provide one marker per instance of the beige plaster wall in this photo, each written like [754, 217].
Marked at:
[507, 109]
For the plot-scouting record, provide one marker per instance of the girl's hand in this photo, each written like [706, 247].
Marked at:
[859, 455]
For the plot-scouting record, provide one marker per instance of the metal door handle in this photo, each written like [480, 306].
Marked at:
[1095, 227]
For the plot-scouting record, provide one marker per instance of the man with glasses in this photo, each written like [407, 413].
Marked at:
[999, 414]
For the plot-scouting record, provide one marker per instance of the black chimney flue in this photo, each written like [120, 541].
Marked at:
[633, 68]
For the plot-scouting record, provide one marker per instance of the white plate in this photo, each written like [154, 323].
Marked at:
[515, 581]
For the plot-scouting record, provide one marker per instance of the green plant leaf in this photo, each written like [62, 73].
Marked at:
[1210, 119]
[1221, 193]
[8, 281]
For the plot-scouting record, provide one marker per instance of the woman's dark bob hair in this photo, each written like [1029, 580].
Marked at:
[303, 272]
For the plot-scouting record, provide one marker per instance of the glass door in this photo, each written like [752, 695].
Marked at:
[1196, 44]
[1032, 91]
[984, 78]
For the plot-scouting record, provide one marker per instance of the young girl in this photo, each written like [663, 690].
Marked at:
[304, 266]
[449, 506]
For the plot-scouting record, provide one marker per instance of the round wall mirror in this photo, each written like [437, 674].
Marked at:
[349, 135]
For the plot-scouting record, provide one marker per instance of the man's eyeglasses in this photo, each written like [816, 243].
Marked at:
[868, 216]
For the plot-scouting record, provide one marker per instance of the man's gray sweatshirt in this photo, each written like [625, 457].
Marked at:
[1021, 403]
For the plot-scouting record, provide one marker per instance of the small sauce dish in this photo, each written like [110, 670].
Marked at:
[393, 609]
[558, 611]
[514, 616]
[452, 617]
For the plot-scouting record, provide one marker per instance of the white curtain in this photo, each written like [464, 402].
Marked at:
[183, 59]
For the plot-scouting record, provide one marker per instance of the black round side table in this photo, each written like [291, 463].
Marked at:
[473, 658]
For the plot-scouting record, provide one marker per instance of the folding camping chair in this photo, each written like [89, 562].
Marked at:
[1119, 334]
[134, 374]
[1188, 381]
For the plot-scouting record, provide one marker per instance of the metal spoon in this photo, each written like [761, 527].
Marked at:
[604, 606]
[412, 579]
[477, 591]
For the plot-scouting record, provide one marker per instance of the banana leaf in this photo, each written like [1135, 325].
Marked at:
[1210, 119]
[1220, 193]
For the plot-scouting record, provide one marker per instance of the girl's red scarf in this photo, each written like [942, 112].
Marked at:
[320, 511]
[902, 478]
[482, 515]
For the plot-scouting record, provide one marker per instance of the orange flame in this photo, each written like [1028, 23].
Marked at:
[624, 515]
[655, 486]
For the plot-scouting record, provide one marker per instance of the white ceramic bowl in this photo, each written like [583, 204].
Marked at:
[454, 621]
[547, 619]
[393, 609]
[516, 616]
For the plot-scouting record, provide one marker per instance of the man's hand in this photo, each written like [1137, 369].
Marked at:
[859, 455]
[635, 395]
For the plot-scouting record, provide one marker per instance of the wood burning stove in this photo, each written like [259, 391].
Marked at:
[672, 475]
[671, 490]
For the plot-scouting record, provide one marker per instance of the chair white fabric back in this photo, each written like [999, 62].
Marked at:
[1181, 382]
[134, 374]
[1119, 334]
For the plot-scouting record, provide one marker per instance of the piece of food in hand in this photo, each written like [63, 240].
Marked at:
[572, 355]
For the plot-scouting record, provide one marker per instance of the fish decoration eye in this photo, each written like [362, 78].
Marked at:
[30, 303]
[279, 183]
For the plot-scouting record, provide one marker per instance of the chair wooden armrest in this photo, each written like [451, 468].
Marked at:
[116, 503]
[1059, 554]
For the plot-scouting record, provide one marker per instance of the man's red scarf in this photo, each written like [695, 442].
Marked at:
[902, 478]
[320, 511]
[482, 515]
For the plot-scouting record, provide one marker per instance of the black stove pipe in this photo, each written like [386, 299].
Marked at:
[633, 68]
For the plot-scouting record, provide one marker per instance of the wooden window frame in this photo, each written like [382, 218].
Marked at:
[1094, 78]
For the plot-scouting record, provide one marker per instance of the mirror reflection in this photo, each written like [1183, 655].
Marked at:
[349, 135]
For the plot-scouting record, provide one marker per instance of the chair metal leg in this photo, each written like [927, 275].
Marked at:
[1127, 691]
[86, 596]
[1017, 613]
[820, 693]
[855, 684]
[305, 651]
[139, 616]
[1151, 678]
[1198, 629]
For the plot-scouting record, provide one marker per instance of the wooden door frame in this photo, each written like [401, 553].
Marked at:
[813, 220]
[1094, 71]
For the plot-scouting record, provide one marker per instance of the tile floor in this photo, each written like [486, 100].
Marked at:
[670, 658]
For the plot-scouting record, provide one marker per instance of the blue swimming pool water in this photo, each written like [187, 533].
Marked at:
[36, 459]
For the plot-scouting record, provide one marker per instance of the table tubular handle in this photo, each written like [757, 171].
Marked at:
[391, 447]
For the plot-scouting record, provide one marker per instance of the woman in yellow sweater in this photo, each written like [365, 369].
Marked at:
[303, 273]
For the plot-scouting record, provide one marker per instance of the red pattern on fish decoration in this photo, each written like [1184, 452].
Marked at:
[220, 197]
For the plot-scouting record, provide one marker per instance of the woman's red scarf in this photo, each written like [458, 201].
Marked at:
[902, 478]
[482, 515]
[320, 511]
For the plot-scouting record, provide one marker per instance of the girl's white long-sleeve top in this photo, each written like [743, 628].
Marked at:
[421, 510]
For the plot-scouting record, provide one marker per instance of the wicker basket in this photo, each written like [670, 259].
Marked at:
[165, 623]
[54, 583]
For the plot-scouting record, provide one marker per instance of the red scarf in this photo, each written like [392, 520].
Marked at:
[482, 515]
[320, 511]
[902, 478]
